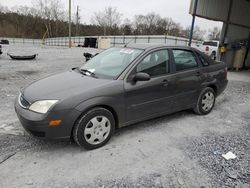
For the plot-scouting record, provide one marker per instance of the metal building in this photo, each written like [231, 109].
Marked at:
[235, 35]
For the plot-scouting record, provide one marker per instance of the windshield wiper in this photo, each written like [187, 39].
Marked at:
[84, 71]
[77, 68]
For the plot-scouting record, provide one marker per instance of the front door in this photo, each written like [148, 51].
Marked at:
[145, 99]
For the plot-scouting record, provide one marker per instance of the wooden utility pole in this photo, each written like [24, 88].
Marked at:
[77, 20]
[70, 24]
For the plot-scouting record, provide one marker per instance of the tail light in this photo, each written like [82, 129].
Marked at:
[207, 48]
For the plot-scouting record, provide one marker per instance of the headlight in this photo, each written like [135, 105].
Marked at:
[42, 106]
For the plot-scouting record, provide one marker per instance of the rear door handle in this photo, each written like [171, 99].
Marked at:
[165, 83]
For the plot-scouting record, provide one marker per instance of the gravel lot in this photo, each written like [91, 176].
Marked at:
[178, 150]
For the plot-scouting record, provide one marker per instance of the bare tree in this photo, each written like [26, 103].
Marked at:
[127, 27]
[175, 29]
[139, 24]
[4, 9]
[153, 24]
[198, 33]
[169, 24]
[146, 24]
[23, 10]
[165, 26]
[57, 13]
[49, 16]
[50, 10]
[152, 20]
[214, 34]
[108, 19]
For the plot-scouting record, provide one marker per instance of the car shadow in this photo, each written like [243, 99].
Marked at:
[155, 122]
[26, 143]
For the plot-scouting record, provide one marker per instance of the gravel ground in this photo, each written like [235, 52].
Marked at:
[178, 150]
[208, 149]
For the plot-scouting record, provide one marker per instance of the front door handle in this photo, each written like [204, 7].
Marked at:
[165, 83]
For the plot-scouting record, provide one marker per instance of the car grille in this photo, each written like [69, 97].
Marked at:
[23, 102]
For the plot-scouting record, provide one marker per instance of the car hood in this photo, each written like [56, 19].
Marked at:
[62, 86]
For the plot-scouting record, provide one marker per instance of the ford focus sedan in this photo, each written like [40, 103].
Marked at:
[119, 87]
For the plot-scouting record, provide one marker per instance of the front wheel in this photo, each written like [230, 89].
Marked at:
[205, 101]
[94, 128]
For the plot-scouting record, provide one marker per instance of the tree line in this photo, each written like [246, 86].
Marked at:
[48, 18]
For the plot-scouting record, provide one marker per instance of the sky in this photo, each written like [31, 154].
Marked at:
[178, 10]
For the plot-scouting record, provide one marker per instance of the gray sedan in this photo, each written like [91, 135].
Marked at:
[119, 87]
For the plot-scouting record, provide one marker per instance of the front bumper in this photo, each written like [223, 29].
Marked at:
[38, 124]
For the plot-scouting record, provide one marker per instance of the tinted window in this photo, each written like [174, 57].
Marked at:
[155, 64]
[184, 59]
[203, 60]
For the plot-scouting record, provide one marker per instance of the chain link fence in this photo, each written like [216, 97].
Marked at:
[22, 41]
[121, 40]
[115, 40]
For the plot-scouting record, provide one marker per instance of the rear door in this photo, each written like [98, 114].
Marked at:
[146, 99]
[188, 78]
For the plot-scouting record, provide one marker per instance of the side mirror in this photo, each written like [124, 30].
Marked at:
[89, 56]
[141, 76]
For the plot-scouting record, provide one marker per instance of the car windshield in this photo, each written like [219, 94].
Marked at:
[112, 62]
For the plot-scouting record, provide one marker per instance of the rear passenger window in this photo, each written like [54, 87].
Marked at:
[184, 60]
[203, 60]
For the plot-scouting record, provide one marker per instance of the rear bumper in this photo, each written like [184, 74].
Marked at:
[37, 124]
[222, 87]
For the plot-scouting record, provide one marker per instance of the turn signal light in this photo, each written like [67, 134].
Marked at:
[55, 122]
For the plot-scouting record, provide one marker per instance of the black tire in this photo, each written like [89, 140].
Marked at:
[199, 109]
[79, 135]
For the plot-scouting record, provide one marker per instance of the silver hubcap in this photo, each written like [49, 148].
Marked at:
[207, 101]
[97, 130]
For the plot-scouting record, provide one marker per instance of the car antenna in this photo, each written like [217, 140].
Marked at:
[128, 42]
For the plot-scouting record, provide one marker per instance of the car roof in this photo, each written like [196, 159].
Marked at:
[150, 46]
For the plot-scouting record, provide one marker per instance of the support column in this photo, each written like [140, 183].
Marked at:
[193, 22]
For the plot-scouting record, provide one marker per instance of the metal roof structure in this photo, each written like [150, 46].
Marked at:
[235, 12]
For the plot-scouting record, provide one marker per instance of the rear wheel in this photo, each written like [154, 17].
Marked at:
[205, 101]
[94, 128]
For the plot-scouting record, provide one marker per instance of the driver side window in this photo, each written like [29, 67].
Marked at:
[155, 64]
